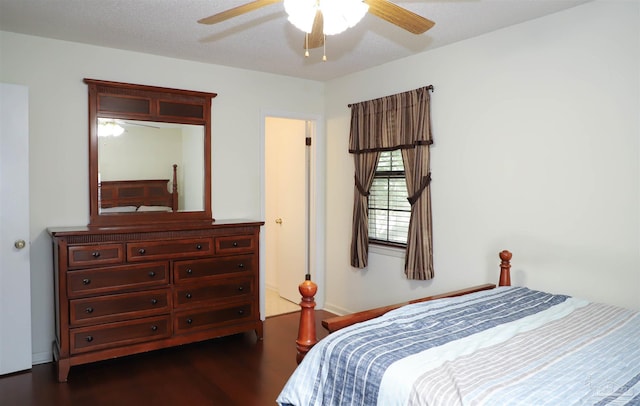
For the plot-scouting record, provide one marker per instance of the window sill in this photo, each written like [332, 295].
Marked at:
[398, 252]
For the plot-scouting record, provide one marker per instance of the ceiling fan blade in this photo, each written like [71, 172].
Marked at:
[399, 16]
[140, 124]
[236, 11]
[134, 123]
[316, 37]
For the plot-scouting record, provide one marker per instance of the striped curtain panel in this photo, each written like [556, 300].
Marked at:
[365, 164]
[400, 121]
[418, 264]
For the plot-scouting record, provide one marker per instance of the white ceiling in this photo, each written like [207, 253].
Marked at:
[261, 40]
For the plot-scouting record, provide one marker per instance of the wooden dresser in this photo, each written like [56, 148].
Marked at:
[126, 290]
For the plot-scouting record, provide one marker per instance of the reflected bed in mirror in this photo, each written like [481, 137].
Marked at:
[149, 154]
[144, 195]
[137, 161]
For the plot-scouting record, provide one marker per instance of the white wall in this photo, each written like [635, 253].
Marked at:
[191, 177]
[536, 151]
[53, 71]
[128, 157]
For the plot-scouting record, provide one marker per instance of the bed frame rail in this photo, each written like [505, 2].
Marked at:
[307, 331]
[336, 323]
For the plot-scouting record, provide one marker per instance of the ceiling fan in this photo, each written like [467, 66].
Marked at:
[317, 22]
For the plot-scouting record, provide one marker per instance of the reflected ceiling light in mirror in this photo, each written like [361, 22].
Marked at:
[109, 128]
[337, 15]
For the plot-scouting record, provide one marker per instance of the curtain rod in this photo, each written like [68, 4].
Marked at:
[430, 87]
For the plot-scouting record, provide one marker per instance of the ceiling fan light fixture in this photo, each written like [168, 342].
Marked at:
[301, 13]
[109, 128]
[338, 15]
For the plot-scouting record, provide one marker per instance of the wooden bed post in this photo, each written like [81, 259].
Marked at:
[505, 268]
[174, 189]
[307, 328]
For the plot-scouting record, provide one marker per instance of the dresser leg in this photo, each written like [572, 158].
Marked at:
[62, 367]
[260, 331]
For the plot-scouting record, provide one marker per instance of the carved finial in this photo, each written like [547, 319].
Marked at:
[505, 255]
[307, 329]
[505, 268]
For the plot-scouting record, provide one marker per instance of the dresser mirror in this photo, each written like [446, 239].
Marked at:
[149, 154]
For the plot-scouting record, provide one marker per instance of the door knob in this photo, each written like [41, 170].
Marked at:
[278, 221]
[20, 244]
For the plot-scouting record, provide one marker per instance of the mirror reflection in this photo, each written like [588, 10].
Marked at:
[148, 166]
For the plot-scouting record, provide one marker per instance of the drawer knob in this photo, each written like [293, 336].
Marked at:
[141, 251]
[89, 338]
[86, 281]
[95, 254]
[235, 244]
[152, 274]
[89, 310]
[198, 247]
[240, 312]
[189, 321]
[241, 265]
[154, 301]
[240, 288]
[189, 271]
[188, 295]
[154, 328]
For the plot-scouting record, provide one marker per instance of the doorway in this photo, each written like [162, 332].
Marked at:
[15, 274]
[290, 209]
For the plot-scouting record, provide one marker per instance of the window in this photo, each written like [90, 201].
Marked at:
[389, 209]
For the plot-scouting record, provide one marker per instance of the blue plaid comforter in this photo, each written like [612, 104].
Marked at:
[501, 347]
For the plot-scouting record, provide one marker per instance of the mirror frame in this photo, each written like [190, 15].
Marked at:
[147, 103]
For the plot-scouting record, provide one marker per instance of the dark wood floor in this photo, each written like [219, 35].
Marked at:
[235, 370]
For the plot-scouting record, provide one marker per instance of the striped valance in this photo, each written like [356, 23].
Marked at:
[391, 122]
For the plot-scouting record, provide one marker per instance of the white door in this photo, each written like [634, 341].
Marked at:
[15, 279]
[286, 206]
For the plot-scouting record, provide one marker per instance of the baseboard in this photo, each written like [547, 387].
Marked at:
[338, 311]
[271, 287]
[41, 357]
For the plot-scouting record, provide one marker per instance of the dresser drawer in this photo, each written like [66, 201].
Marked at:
[188, 271]
[202, 319]
[198, 294]
[145, 251]
[87, 339]
[96, 254]
[235, 244]
[109, 308]
[116, 278]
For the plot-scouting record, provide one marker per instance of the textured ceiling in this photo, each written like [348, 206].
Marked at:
[261, 40]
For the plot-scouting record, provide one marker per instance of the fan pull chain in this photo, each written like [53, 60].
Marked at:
[324, 49]
[306, 44]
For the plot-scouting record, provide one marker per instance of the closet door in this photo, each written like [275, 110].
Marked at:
[15, 278]
[285, 194]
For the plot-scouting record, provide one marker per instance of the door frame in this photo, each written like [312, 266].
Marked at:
[317, 206]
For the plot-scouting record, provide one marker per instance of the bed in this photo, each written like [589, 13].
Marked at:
[495, 346]
[145, 195]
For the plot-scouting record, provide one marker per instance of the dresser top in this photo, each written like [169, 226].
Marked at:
[180, 226]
